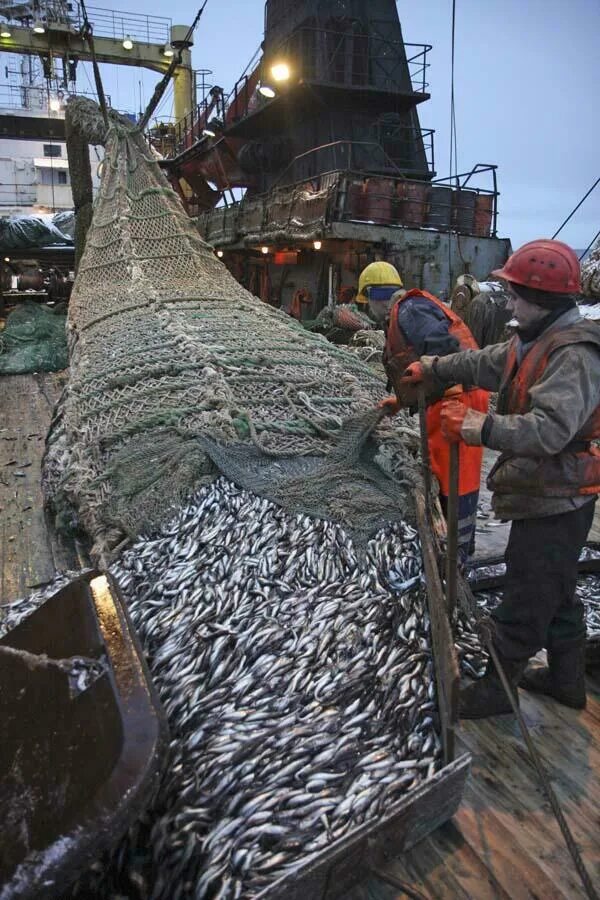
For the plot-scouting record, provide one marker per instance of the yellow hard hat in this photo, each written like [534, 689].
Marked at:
[379, 273]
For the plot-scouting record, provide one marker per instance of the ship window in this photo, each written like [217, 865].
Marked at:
[62, 177]
[52, 150]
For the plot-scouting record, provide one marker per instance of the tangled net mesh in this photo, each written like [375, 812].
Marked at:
[590, 273]
[173, 362]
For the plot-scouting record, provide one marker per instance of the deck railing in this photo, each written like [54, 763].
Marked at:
[304, 210]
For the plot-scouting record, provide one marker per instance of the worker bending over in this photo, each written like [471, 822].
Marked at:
[548, 473]
[421, 324]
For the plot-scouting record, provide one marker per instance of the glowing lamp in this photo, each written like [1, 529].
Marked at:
[265, 90]
[280, 71]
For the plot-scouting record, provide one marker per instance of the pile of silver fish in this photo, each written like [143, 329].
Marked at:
[298, 685]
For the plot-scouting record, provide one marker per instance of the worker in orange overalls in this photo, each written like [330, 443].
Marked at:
[420, 324]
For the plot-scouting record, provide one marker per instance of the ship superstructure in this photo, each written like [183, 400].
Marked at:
[324, 136]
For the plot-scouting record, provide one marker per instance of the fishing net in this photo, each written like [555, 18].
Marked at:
[176, 369]
[590, 273]
[34, 340]
[346, 318]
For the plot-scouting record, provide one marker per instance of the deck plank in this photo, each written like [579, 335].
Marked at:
[29, 552]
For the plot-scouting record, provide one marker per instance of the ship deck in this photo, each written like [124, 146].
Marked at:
[502, 843]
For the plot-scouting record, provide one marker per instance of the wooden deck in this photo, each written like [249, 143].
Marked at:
[29, 552]
[503, 842]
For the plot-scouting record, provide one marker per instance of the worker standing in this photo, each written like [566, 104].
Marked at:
[421, 324]
[547, 475]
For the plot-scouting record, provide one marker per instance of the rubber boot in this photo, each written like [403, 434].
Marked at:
[487, 697]
[563, 677]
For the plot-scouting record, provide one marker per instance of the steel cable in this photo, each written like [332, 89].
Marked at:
[573, 211]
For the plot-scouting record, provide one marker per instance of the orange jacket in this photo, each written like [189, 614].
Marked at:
[576, 469]
[397, 344]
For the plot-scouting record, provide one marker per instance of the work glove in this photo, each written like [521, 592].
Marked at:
[420, 371]
[461, 423]
[391, 405]
[406, 381]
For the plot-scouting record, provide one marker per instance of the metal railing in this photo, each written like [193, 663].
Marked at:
[186, 132]
[106, 22]
[117, 25]
[478, 169]
[360, 156]
[355, 58]
[308, 206]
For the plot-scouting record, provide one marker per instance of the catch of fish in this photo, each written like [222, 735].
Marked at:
[298, 685]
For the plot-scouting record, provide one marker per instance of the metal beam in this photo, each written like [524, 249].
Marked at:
[62, 39]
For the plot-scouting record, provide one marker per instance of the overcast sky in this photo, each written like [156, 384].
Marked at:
[527, 89]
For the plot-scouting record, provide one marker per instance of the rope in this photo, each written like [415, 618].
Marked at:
[484, 627]
[87, 31]
[572, 213]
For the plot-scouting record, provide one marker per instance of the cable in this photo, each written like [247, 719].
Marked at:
[571, 214]
[163, 83]
[590, 245]
[88, 36]
[453, 142]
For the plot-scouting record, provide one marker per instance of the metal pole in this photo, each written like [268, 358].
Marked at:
[452, 530]
[425, 461]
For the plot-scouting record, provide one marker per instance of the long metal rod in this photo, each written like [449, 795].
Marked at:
[425, 461]
[452, 529]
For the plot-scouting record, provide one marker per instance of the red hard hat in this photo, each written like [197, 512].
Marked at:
[544, 265]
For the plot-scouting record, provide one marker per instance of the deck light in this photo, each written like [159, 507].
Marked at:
[280, 71]
[5, 31]
[39, 27]
[207, 132]
[317, 245]
[265, 90]
[220, 254]
[168, 51]
[264, 250]
[7, 259]
[127, 43]
[54, 104]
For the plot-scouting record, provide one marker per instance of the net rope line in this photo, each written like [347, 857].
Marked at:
[166, 347]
